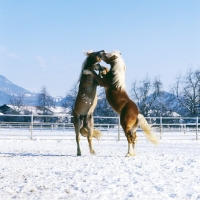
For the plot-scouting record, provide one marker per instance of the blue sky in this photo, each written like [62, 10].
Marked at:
[42, 41]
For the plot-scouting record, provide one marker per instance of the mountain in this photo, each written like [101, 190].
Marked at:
[8, 89]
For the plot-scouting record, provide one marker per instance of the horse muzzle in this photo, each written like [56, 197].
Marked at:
[97, 66]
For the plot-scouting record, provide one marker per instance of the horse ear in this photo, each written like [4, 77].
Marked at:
[88, 53]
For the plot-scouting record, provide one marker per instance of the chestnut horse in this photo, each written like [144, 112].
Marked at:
[86, 101]
[117, 97]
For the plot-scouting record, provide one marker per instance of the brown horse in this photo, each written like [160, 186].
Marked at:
[117, 97]
[86, 101]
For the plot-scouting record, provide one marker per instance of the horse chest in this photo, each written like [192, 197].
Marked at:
[84, 102]
[86, 98]
[87, 81]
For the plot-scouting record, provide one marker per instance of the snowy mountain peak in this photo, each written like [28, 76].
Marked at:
[3, 79]
[9, 88]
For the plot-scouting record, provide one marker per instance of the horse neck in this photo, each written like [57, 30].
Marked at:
[87, 80]
[87, 63]
[118, 79]
[117, 61]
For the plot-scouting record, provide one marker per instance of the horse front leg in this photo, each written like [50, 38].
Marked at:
[90, 126]
[77, 125]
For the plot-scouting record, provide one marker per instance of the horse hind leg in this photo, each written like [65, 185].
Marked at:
[131, 144]
[77, 125]
[132, 139]
[90, 126]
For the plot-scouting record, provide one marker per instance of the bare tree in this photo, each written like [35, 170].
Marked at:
[69, 100]
[104, 109]
[45, 101]
[186, 91]
[17, 102]
[18, 108]
[145, 92]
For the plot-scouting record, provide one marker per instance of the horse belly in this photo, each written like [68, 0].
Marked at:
[84, 104]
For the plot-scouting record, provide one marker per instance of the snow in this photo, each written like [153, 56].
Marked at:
[50, 169]
[58, 110]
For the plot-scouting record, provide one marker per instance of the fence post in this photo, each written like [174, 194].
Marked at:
[119, 129]
[31, 126]
[197, 128]
[51, 128]
[160, 127]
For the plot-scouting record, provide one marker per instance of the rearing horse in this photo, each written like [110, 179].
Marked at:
[86, 102]
[117, 97]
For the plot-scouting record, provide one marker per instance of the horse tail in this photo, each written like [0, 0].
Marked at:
[96, 133]
[142, 122]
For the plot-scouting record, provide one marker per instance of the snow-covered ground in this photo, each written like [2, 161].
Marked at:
[50, 169]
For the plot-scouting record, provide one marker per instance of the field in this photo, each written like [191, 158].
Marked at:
[50, 169]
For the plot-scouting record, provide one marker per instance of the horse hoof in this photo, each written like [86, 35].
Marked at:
[130, 154]
[78, 154]
[93, 152]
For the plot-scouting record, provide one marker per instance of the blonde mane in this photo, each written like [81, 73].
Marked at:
[118, 70]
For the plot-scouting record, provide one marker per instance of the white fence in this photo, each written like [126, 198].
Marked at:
[60, 127]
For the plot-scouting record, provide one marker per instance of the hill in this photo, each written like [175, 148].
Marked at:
[8, 89]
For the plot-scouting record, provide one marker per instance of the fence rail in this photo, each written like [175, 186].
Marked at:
[61, 126]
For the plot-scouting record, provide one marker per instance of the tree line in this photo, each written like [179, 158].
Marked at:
[182, 99]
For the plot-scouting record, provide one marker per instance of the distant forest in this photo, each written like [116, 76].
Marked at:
[183, 98]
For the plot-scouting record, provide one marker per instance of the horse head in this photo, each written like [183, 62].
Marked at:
[111, 57]
[92, 62]
[94, 58]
